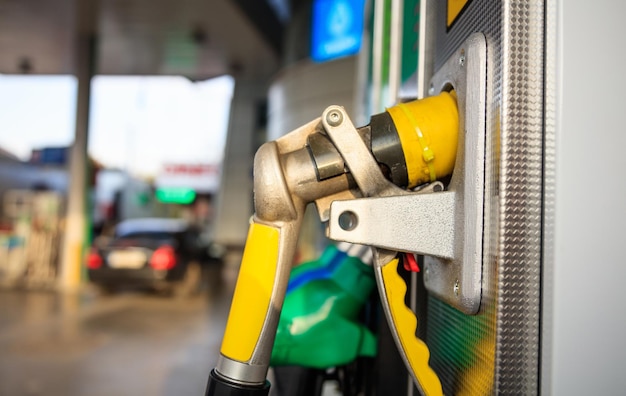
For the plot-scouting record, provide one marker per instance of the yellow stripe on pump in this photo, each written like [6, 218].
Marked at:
[428, 130]
[405, 323]
[252, 293]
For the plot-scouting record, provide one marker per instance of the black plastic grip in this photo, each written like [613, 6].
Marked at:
[219, 386]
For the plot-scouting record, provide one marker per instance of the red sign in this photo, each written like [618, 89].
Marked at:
[191, 169]
[199, 177]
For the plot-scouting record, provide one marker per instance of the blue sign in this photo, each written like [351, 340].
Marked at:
[337, 27]
[50, 156]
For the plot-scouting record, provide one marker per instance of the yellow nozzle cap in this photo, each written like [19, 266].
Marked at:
[428, 130]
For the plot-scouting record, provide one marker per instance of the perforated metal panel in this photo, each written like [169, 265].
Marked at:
[497, 351]
[549, 193]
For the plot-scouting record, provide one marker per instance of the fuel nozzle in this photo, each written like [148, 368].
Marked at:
[403, 140]
[326, 160]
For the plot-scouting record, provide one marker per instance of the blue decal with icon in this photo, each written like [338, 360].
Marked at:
[337, 28]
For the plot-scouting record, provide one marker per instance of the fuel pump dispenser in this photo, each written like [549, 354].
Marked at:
[378, 185]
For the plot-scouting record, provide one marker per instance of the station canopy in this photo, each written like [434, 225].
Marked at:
[199, 39]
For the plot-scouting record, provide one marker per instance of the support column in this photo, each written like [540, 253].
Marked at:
[234, 201]
[75, 231]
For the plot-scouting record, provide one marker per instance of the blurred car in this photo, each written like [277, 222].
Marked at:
[163, 254]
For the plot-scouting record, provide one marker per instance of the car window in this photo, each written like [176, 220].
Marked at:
[192, 240]
[151, 238]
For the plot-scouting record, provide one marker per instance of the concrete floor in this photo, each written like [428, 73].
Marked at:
[126, 344]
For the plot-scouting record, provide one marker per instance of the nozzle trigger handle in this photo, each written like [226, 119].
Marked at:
[403, 324]
[253, 292]
[257, 301]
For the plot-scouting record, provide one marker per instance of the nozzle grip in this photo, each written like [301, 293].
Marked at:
[403, 324]
[257, 302]
[253, 292]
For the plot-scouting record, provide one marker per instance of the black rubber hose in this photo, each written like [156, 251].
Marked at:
[219, 386]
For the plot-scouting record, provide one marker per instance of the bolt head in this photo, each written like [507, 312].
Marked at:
[334, 118]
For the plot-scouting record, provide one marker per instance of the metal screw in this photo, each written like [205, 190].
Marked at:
[334, 118]
[462, 60]
[348, 221]
[457, 288]
[431, 90]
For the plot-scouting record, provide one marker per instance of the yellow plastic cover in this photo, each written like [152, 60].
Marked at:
[429, 132]
[253, 293]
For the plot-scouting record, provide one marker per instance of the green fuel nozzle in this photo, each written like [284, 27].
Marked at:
[319, 325]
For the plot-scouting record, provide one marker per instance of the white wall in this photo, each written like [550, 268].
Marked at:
[588, 355]
[301, 92]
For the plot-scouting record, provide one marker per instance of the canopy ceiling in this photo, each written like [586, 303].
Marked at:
[196, 38]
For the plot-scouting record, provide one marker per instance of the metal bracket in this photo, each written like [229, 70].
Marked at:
[458, 281]
[446, 227]
[420, 222]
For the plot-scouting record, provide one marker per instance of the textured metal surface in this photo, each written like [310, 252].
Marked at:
[519, 277]
[497, 351]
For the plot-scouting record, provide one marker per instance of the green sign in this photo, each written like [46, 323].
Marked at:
[181, 196]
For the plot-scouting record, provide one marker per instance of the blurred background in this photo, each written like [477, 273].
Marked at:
[127, 134]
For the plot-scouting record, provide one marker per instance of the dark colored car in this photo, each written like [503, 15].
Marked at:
[159, 253]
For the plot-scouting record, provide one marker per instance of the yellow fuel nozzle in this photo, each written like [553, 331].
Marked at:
[410, 144]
